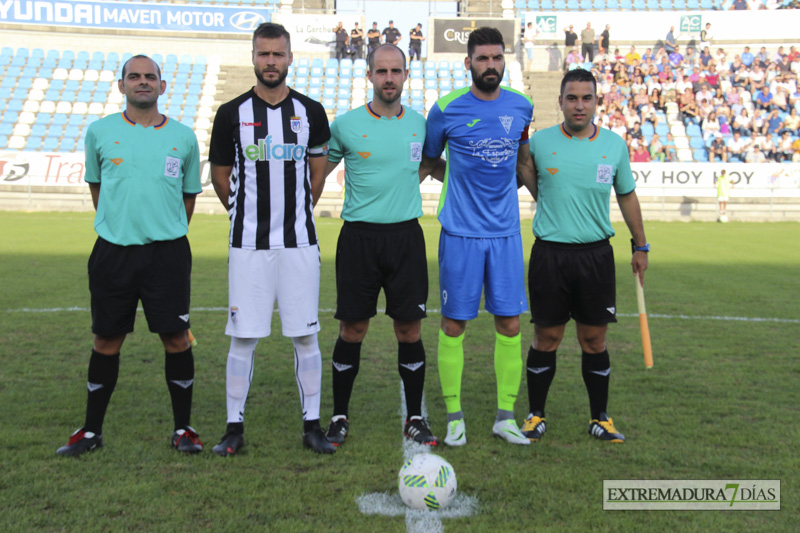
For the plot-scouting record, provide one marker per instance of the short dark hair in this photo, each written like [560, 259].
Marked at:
[371, 56]
[577, 75]
[270, 30]
[484, 35]
[140, 56]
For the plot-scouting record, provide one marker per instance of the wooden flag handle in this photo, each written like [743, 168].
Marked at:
[646, 346]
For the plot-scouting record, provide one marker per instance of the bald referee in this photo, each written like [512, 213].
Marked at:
[571, 274]
[143, 170]
[381, 245]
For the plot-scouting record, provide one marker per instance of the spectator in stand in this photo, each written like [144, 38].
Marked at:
[391, 34]
[736, 146]
[721, 57]
[657, 149]
[742, 122]
[587, 42]
[759, 119]
[604, 41]
[636, 132]
[705, 35]
[785, 148]
[792, 123]
[773, 124]
[574, 59]
[641, 155]
[658, 101]
[739, 5]
[688, 107]
[670, 150]
[691, 57]
[764, 99]
[778, 55]
[570, 39]
[757, 78]
[632, 57]
[705, 56]
[718, 149]
[780, 98]
[670, 43]
[796, 149]
[769, 148]
[719, 98]
[618, 127]
[762, 58]
[710, 126]
[704, 94]
[712, 77]
[755, 155]
[747, 57]
[704, 109]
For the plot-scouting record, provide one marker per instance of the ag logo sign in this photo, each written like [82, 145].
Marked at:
[691, 23]
[246, 20]
[546, 24]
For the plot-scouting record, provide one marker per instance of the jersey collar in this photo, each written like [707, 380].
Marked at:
[127, 119]
[592, 137]
[374, 114]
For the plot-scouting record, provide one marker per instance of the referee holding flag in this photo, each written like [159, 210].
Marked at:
[571, 274]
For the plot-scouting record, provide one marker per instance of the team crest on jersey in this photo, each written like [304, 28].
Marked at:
[296, 123]
[416, 151]
[172, 167]
[605, 174]
[506, 122]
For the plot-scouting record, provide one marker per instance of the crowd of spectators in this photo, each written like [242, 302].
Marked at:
[744, 106]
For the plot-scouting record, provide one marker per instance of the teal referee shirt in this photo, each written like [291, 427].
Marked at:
[381, 164]
[143, 174]
[575, 178]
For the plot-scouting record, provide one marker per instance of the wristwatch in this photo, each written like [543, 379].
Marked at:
[634, 248]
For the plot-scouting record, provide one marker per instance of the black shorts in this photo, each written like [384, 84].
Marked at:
[158, 274]
[374, 256]
[572, 281]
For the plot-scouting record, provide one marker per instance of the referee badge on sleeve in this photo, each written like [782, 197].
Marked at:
[416, 151]
[605, 174]
[172, 167]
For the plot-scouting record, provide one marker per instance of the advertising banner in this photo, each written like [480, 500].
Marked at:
[450, 35]
[134, 16]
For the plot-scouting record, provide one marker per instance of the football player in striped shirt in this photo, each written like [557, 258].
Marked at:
[267, 155]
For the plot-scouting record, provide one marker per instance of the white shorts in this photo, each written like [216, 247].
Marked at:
[257, 279]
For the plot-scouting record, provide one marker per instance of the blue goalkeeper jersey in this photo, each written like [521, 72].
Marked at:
[481, 139]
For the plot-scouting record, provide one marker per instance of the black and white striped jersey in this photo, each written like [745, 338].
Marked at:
[269, 148]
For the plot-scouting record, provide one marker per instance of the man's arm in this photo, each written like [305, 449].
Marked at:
[632, 213]
[221, 179]
[525, 172]
[318, 167]
[188, 202]
[94, 188]
[433, 167]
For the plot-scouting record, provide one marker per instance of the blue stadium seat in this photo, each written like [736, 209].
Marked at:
[315, 82]
[662, 130]
[50, 144]
[301, 82]
[75, 120]
[20, 94]
[67, 145]
[700, 155]
[653, 5]
[639, 5]
[586, 5]
[59, 119]
[189, 112]
[647, 129]
[625, 5]
[666, 5]
[559, 5]
[430, 84]
[693, 130]
[696, 142]
[329, 92]
[6, 128]
[343, 103]
[573, 5]
[84, 96]
[706, 5]
[29, 72]
[445, 85]
[345, 72]
[329, 103]
[3, 141]
[33, 143]
[8, 82]
[520, 5]
[198, 79]
[55, 131]
[10, 116]
[43, 118]
[315, 93]
[692, 4]
[14, 105]
[345, 82]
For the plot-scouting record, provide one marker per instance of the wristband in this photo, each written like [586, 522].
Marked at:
[634, 248]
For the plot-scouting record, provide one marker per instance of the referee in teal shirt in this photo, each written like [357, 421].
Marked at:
[143, 170]
[381, 244]
[571, 274]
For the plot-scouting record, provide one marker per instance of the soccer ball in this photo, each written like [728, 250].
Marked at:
[427, 481]
[723, 218]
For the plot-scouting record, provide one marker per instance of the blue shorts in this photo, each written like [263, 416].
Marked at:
[468, 264]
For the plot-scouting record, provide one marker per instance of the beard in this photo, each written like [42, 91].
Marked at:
[271, 83]
[380, 95]
[482, 84]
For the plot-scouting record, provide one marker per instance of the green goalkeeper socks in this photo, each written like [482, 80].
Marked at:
[507, 369]
[451, 365]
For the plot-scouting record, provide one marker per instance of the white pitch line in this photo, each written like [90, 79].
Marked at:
[436, 312]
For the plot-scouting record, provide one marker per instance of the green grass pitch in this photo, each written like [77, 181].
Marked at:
[720, 403]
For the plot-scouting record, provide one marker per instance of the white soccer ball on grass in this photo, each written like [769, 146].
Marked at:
[427, 481]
